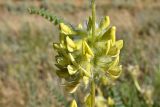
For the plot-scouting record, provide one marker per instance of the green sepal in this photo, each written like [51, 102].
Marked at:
[105, 22]
[89, 24]
[114, 51]
[119, 44]
[115, 62]
[115, 72]
[110, 34]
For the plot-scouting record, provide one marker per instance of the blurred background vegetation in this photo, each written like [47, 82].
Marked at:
[27, 77]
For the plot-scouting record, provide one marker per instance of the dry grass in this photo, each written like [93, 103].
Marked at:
[27, 58]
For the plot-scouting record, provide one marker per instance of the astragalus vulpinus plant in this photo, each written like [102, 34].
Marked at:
[87, 54]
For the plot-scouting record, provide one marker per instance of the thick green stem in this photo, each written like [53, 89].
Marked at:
[93, 18]
[92, 93]
[92, 90]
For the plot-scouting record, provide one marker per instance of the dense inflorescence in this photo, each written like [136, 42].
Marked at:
[82, 57]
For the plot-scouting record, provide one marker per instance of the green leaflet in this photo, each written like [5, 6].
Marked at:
[50, 17]
[105, 22]
[73, 104]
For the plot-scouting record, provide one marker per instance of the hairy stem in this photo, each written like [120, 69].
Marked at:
[93, 18]
[92, 90]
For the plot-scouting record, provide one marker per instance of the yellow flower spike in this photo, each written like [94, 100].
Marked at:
[66, 29]
[72, 69]
[70, 44]
[105, 22]
[73, 104]
[110, 101]
[110, 34]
